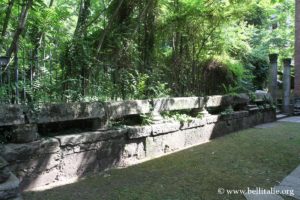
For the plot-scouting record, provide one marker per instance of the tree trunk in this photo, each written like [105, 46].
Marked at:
[149, 37]
[21, 26]
[297, 50]
[6, 21]
[108, 27]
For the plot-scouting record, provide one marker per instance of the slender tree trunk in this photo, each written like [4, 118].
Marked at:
[76, 59]
[21, 26]
[6, 21]
[108, 27]
[149, 36]
[297, 50]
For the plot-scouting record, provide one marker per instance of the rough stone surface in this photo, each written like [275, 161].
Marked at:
[24, 133]
[139, 131]
[123, 108]
[133, 153]
[181, 103]
[11, 115]
[66, 112]
[162, 144]
[198, 135]
[158, 129]
[235, 115]
[218, 100]
[212, 119]
[65, 157]
[241, 99]
[193, 124]
[10, 188]
[90, 137]
[227, 100]
[15, 152]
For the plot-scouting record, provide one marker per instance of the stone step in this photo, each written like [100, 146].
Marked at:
[253, 109]
[10, 188]
[281, 116]
[251, 106]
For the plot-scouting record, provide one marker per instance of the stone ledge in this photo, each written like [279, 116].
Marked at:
[227, 100]
[235, 115]
[139, 131]
[193, 124]
[90, 137]
[11, 115]
[49, 113]
[119, 109]
[180, 103]
[158, 129]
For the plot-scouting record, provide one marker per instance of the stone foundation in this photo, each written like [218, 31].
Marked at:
[61, 158]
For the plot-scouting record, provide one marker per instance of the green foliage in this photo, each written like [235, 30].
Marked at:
[229, 110]
[180, 116]
[112, 50]
[147, 119]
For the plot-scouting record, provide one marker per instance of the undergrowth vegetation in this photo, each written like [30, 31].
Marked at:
[92, 50]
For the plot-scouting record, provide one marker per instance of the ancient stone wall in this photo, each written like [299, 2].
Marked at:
[46, 161]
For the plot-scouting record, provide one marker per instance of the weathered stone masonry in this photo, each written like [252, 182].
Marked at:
[61, 158]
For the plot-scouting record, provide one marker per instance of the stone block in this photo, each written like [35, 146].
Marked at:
[158, 129]
[90, 137]
[36, 165]
[227, 100]
[219, 101]
[139, 131]
[235, 115]
[240, 99]
[198, 135]
[67, 112]
[181, 103]
[222, 128]
[11, 115]
[123, 108]
[15, 152]
[212, 119]
[269, 116]
[133, 153]
[24, 133]
[75, 165]
[159, 145]
[193, 124]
